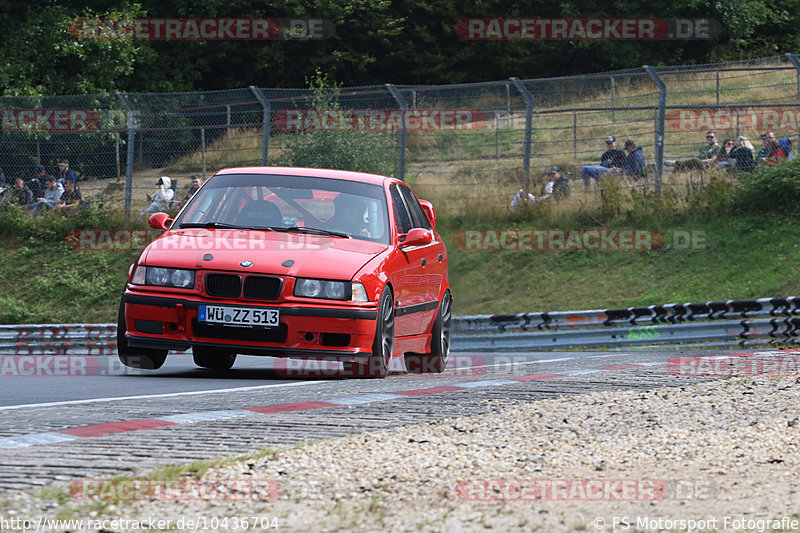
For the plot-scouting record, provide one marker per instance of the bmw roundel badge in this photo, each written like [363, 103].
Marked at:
[246, 263]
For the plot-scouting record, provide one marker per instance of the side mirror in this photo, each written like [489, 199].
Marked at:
[428, 208]
[160, 221]
[416, 237]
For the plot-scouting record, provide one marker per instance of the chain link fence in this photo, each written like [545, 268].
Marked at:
[465, 147]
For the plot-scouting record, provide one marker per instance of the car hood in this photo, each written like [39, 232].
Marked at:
[270, 252]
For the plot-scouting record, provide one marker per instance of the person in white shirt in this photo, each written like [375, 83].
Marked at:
[162, 197]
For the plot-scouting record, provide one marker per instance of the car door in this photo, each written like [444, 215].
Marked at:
[418, 269]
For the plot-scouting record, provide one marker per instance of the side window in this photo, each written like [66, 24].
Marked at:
[417, 216]
[401, 215]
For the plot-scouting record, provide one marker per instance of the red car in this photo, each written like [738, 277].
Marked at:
[292, 262]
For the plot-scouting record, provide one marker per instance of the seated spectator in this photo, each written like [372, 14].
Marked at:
[162, 197]
[36, 183]
[724, 158]
[633, 165]
[19, 195]
[766, 138]
[196, 182]
[65, 173]
[51, 197]
[708, 152]
[611, 159]
[554, 185]
[70, 200]
[520, 199]
[774, 154]
[743, 155]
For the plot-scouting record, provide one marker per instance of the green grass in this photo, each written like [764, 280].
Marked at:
[743, 258]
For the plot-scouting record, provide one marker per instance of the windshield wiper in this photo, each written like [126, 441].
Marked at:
[222, 225]
[312, 231]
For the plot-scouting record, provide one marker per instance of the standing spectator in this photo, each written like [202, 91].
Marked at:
[708, 152]
[634, 162]
[51, 197]
[743, 154]
[70, 200]
[195, 186]
[36, 183]
[611, 159]
[162, 197]
[724, 158]
[65, 173]
[766, 138]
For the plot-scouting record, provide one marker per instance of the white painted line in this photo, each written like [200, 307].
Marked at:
[50, 437]
[485, 383]
[580, 372]
[205, 416]
[167, 395]
[364, 398]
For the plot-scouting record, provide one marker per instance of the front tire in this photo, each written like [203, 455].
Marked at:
[382, 346]
[212, 358]
[142, 358]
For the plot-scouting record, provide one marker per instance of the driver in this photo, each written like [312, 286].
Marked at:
[349, 215]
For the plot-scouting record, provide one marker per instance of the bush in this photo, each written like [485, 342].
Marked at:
[770, 188]
[361, 151]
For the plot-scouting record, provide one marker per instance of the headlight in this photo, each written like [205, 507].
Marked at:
[330, 290]
[163, 277]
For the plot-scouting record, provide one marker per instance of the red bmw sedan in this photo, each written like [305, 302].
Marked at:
[292, 262]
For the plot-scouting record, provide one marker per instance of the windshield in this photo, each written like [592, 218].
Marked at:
[323, 206]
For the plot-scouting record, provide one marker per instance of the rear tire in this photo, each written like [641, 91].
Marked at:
[213, 358]
[142, 358]
[436, 360]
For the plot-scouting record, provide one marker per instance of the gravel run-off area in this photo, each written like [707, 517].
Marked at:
[719, 455]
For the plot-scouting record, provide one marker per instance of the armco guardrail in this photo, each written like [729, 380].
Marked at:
[729, 323]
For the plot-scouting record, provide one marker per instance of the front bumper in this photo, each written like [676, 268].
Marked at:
[321, 331]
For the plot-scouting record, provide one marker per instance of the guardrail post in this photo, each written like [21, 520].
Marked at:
[265, 123]
[796, 63]
[661, 117]
[131, 151]
[526, 158]
[401, 141]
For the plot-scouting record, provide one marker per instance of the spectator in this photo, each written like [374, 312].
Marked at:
[743, 154]
[773, 153]
[196, 182]
[70, 200]
[36, 183]
[162, 197]
[520, 199]
[724, 158]
[708, 152]
[65, 173]
[766, 138]
[51, 197]
[19, 195]
[634, 162]
[611, 159]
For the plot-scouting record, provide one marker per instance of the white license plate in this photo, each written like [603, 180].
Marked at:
[238, 316]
